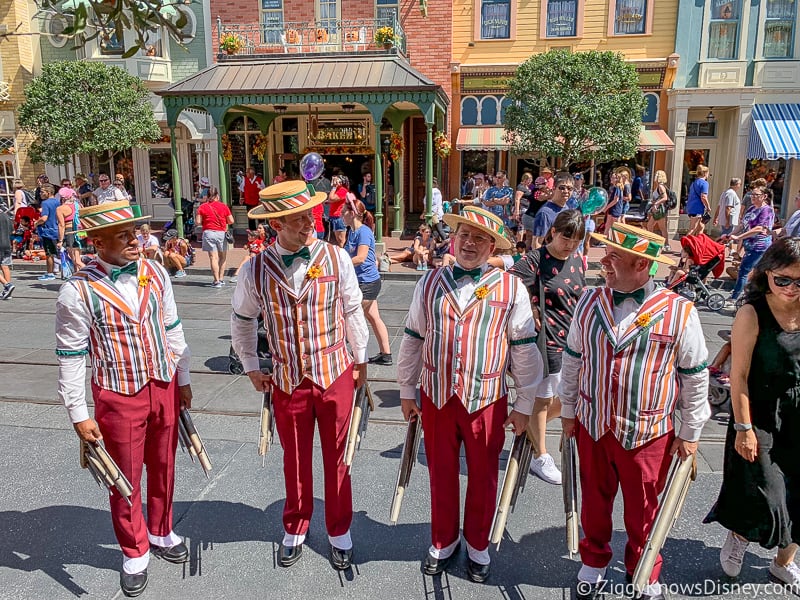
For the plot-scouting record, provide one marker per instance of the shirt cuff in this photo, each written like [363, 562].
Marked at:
[360, 355]
[567, 410]
[79, 413]
[184, 378]
[523, 405]
[408, 392]
[251, 364]
[689, 432]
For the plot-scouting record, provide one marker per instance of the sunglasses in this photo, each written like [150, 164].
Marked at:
[565, 188]
[783, 282]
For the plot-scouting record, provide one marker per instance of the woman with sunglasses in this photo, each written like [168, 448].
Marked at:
[755, 232]
[360, 245]
[760, 496]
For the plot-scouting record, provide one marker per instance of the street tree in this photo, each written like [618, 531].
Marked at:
[77, 107]
[90, 19]
[577, 106]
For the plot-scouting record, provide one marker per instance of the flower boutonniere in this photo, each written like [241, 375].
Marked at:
[482, 292]
[314, 272]
[643, 320]
[144, 280]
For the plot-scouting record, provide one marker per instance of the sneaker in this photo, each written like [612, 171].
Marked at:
[180, 274]
[790, 575]
[7, 291]
[46, 277]
[545, 469]
[216, 284]
[221, 282]
[732, 554]
[381, 359]
[233, 279]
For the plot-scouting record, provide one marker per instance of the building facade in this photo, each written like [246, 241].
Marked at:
[148, 172]
[734, 106]
[492, 37]
[18, 62]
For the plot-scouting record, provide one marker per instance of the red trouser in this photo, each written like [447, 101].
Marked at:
[641, 473]
[294, 420]
[483, 435]
[141, 430]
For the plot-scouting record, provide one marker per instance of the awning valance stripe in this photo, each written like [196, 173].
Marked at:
[481, 138]
[775, 132]
[654, 139]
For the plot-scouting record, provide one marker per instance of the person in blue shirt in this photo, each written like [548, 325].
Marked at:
[562, 190]
[498, 196]
[360, 245]
[47, 228]
[697, 205]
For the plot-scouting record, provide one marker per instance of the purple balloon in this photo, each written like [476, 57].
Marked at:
[311, 166]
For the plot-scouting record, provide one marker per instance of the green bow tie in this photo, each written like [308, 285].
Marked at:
[132, 268]
[620, 297]
[475, 273]
[288, 259]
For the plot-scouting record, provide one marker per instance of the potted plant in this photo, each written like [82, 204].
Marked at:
[385, 37]
[231, 43]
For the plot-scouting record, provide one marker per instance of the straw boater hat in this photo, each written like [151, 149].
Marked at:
[286, 198]
[109, 214]
[635, 241]
[482, 219]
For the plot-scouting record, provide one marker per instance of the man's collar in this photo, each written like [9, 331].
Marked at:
[284, 252]
[107, 267]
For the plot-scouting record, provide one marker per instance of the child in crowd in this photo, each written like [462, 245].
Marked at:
[21, 238]
[148, 243]
[519, 251]
[177, 253]
[256, 242]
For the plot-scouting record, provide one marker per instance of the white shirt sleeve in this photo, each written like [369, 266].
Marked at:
[570, 371]
[691, 362]
[72, 345]
[244, 319]
[175, 337]
[526, 360]
[355, 322]
[409, 363]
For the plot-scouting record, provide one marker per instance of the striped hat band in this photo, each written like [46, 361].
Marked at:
[634, 242]
[484, 218]
[290, 201]
[112, 213]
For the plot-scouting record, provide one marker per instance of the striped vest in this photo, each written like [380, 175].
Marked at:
[127, 350]
[629, 384]
[466, 353]
[305, 329]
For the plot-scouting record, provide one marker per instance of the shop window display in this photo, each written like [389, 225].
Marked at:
[723, 38]
[779, 26]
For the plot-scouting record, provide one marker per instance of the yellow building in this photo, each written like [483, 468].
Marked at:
[492, 37]
[18, 56]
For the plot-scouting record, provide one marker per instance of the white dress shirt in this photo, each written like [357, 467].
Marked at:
[246, 303]
[692, 404]
[526, 361]
[73, 322]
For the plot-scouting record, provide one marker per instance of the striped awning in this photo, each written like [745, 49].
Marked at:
[654, 139]
[481, 138]
[775, 132]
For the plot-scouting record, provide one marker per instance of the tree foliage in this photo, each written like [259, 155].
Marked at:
[90, 19]
[576, 106]
[86, 107]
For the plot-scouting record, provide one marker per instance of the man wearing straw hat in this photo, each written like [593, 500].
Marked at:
[635, 356]
[120, 311]
[465, 326]
[308, 292]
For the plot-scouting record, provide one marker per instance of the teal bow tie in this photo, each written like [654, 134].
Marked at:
[475, 273]
[288, 259]
[131, 268]
[620, 297]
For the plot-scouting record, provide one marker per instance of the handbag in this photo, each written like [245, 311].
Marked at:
[229, 235]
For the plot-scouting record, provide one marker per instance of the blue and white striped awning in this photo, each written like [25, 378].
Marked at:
[775, 132]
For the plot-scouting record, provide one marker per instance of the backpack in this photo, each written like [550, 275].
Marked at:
[672, 199]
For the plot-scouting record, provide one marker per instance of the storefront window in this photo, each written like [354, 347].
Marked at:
[779, 28]
[478, 161]
[242, 135]
[562, 18]
[772, 171]
[723, 31]
[630, 17]
[111, 45]
[7, 171]
[160, 173]
[272, 21]
[495, 19]
[123, 165]
[469, 111]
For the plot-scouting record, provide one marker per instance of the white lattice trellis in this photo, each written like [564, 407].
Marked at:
[5, 91]
[7, 145]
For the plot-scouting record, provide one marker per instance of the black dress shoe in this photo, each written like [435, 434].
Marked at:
[288, 555]
[434, 566]
[133, 584]
[341, 559]
[477, 572]
[177, 554]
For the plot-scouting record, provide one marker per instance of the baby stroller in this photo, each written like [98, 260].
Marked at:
[264, 356]
[187, 208]
[707, 256]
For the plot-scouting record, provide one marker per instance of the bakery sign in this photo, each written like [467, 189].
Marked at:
[339, 133]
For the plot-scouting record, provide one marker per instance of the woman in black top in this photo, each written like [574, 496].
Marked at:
[760, 496]
[554, 271]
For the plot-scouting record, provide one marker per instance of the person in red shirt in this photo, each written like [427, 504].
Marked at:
[214, 217]
[249, 188]
[336, 200]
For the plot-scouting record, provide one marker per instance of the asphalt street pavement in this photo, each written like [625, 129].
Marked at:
[56, 539]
